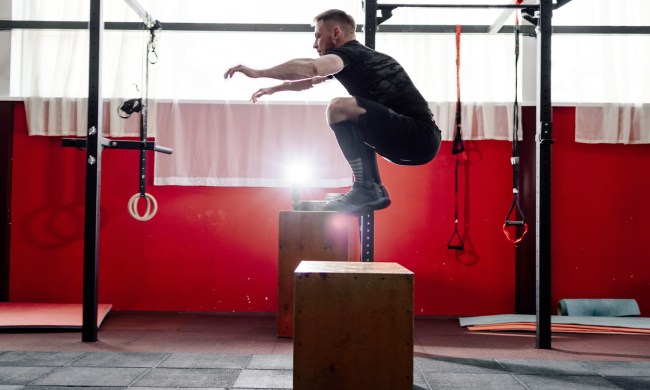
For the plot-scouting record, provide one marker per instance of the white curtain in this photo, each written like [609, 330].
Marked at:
[255, 145]
[605, 76]
[613, 123]
[608, 72]
[54, 77]
[479, 121]
[610, 83]
[246, 145]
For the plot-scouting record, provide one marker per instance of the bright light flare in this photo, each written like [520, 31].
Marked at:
[298, 174]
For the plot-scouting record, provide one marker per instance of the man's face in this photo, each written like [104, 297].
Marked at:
[324, 37]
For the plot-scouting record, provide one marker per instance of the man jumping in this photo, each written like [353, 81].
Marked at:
[385, 114]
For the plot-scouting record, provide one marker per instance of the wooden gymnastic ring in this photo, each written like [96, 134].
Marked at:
[149, 213]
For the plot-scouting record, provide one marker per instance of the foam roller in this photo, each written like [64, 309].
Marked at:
[598, 307]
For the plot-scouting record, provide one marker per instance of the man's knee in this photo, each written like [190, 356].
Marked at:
[343, 109]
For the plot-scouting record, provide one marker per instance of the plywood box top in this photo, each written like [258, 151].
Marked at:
[345, 267]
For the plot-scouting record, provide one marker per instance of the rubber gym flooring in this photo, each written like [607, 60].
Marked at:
[144, 350]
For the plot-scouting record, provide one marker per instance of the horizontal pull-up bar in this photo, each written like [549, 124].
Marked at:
[306, 28]
[502, 6]
[117, 144]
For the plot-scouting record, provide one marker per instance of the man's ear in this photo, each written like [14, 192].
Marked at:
[336, 31]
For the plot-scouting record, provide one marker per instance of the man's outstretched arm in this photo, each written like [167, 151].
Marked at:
[293, 70]
[299, 85]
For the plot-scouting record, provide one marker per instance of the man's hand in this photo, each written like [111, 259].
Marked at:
[261, 92]
[252, 73]
[288, 86]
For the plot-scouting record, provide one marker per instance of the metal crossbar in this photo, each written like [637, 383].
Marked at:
[479, 6]
[306, 28]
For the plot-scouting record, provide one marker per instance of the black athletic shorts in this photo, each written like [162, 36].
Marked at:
[398, 138]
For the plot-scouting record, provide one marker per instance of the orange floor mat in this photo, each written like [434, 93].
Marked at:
[567, 324]
[524, 326]
[46, 315]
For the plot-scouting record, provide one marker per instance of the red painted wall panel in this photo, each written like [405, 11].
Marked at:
[215, 248]
[600, 213]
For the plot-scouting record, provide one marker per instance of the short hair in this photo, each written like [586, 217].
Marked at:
[348, 25]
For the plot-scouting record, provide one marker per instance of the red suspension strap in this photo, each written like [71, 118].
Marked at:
[515, 228]
[458, 150]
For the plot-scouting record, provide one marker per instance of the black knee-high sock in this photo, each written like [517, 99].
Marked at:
[361, 157]
[371, 162]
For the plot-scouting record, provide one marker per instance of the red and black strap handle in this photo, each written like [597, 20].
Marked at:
[458, 149]
[515, 226]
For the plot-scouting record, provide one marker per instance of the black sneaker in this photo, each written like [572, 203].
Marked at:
[363, 197]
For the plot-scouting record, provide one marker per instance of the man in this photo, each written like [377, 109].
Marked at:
[385, 114]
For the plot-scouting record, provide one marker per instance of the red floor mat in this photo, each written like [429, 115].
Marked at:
[46, 315]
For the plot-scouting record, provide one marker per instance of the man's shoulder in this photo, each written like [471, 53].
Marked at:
[351, 51]
[349, 46]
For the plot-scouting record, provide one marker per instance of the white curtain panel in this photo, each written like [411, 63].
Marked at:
[607, 79]
[68, 117]
[54, 77]
[605, 76]
[609, 72]
[613, 123]
[248, 145]
[254, 145]
[479, 121]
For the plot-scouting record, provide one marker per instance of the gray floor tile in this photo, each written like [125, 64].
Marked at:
[418, 380]
[91, 376]
[36, 359]
[219, 371]
[176, 388]
[22, 375]
[264, 379]
[620, 368]
[457, 365]
[205, 360]
[120, 359]
[71, 388]
[189, 377]
[631, 382]
[565, 382]
[546, 367]
[454, 381]
[271, 362]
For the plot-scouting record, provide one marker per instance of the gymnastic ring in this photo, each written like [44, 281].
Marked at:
[149, 213]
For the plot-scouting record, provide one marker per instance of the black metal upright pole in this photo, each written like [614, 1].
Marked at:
[144, 115]
[543, 176]
[367, 232]
[370, 27]
[93, 175]
[6, 157]
[367, 220]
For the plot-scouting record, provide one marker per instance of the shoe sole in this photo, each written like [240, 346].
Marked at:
[358, 210]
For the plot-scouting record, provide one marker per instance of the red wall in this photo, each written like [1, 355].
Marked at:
[600, 211]
[215, 249]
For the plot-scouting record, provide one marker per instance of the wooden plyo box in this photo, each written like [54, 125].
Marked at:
[353, 326]
[306, 235]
